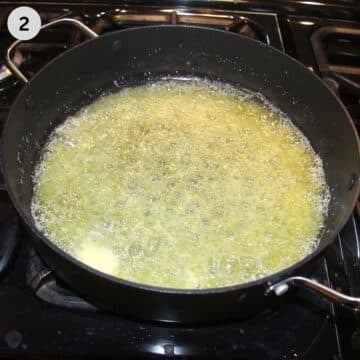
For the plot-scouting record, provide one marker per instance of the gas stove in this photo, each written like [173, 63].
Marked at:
[42, 318]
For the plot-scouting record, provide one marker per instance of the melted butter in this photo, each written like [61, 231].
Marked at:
[182, 185]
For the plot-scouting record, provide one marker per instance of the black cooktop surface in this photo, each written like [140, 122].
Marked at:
[41, 318]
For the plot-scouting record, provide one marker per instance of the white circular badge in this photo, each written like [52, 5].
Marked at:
[24, 23]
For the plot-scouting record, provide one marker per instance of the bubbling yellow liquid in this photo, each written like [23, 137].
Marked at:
[181, 184]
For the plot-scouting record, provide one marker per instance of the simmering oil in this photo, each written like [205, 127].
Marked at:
[181, 184]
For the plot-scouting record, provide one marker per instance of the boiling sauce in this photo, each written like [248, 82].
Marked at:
[181, 184]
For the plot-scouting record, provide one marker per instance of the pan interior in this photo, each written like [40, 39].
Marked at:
[199, 169]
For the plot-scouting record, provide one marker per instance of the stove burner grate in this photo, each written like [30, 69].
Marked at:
[337, 54]
[49, 289]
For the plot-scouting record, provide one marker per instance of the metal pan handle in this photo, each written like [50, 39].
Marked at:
[14, 69]
[282, 287]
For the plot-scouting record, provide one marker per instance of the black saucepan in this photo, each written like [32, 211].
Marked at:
[138, 55]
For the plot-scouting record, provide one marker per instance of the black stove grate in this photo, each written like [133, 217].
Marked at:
[48, 288]
[10, 231]
[337, 54]
[332, 49]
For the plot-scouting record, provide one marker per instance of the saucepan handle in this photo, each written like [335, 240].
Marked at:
[14, 69]
[282, 287]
